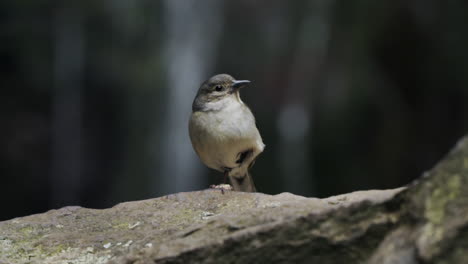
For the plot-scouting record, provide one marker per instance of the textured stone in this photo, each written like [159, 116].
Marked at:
[425, 222]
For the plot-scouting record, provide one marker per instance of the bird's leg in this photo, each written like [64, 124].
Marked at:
[226, 174]
[223, 186]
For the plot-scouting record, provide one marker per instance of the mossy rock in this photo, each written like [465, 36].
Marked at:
[425, 222]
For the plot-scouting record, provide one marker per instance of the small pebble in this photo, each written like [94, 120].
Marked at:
[149, 245]
[108, 245]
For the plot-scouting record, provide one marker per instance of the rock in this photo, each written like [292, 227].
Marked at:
[425, 222]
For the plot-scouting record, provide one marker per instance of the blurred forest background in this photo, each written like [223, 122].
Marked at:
[348, 95]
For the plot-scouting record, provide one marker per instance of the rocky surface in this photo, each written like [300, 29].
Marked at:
[426, 222]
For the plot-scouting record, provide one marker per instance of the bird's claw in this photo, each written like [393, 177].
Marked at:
[222, 187]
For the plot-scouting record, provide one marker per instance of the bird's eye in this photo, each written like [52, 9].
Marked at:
[218, 88]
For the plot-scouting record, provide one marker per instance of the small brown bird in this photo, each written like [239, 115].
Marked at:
[223, 131]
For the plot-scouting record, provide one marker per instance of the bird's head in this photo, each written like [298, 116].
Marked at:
[216, 89]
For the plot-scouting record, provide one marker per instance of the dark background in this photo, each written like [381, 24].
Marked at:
[348, 95]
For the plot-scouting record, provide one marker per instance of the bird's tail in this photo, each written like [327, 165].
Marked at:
[242, 183]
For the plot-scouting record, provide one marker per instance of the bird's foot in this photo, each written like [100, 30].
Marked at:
[222, 187]
[226, 174]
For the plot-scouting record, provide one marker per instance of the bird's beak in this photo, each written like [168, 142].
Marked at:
[239, 84]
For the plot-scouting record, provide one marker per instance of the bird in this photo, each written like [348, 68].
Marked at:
[223, 130]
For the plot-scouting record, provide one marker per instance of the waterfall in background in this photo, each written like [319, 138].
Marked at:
[192, 34]
[295, 119]
[67, 134]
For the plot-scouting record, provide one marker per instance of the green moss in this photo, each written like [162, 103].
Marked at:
[185, 216]
[120, 225]
[26, 230]
[56, 250]
[435, 205]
